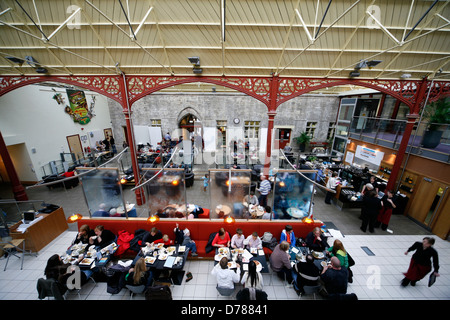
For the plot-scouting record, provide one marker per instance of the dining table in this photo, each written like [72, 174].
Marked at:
[94, 257]
[160, 258]
[298, 254]
[243, 256]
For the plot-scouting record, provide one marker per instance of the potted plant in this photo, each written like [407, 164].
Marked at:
[302, 140]
[436, 114]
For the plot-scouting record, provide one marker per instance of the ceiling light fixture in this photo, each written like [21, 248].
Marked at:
[194, 60]
[15, 60]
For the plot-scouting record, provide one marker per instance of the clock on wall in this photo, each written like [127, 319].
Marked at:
[236, 120]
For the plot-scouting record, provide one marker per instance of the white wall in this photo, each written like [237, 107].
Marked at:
[31, 116]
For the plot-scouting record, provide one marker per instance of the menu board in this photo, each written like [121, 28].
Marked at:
[369, 155]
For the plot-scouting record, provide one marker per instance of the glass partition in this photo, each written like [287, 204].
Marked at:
[228, 188]
[166, 192]
[103, 193]
[293, 194]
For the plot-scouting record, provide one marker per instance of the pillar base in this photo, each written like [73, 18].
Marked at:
[19, 193]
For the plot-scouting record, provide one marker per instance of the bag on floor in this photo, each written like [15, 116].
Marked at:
[158, 293]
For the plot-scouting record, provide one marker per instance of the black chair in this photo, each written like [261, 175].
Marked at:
[50, 288]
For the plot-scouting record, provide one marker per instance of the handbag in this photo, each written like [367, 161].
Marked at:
[158, 293]
[351, 262]
[432, 279]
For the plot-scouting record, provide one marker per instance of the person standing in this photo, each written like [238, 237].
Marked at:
[371, 207]
[331, 184]
[386, 212]
[205, 182]
[264, 190]
[420, 264]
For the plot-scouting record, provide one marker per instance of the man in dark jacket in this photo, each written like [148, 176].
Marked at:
[335, 277]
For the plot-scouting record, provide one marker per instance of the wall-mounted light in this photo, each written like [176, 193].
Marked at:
[229, 220]
[153, 219]
[74, 218]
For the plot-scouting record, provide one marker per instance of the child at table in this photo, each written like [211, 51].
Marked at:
[165, 240]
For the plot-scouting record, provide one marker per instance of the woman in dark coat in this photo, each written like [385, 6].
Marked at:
[420, 264]
[371, 207]
[384, 216]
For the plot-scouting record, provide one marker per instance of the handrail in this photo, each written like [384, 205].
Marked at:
[164, 167]
[20, 201]
[78, 175]
[312, 181]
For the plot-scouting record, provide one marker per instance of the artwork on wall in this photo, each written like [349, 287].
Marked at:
[79, 109]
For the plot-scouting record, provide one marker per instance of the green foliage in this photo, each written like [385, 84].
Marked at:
[437, 113]
[304, 138]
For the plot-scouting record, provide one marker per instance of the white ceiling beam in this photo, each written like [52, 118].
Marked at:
[64, 23]
[143, 20]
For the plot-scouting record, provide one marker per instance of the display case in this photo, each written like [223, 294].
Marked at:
[228, 192]
[165, 191]
[103, 192]
[293, 194]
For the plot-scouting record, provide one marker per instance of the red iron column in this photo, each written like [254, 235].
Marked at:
[274, 86]
[17, 188]
[140, 198]
[411, 119]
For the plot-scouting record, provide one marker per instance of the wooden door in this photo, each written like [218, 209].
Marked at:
[440, 220]
[75, 147]
[428, 202]
[283, 137]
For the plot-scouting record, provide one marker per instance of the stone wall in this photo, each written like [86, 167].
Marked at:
[210, 107]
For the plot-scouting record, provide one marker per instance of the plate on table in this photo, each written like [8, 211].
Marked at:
[323, 263]
[150, 260]
[223, 251]
[318, 255]
[237, 251]
[258, 265]
[181, 249]
[171, 250]
[86, 262]
[163, 257]
[159, 245]
[253, 250]
[231, 265]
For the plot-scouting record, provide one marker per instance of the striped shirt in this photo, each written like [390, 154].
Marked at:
[265, 187]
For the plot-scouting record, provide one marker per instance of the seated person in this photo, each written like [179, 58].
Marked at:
[288, 235]
[226, 278]
[237, 241]
[165, 240]
[102, 237]
[189, 243]
[282, 205]
[268, 214]
[83, 235]
[222, 239]
[335, 277]
[252, 278]
[151, 236]
[316, 241]
[101, 212]
[253, 241]
[308, 273]
[139, 275]
[338, 250]
[55, 267]
[250, 199]
[280, 263]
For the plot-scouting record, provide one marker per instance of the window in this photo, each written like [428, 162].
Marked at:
[251, 129]
[156, 122]
[221, 126]
[331, 127]
[311, 128]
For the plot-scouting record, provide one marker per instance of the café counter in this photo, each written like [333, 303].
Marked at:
[40, 233]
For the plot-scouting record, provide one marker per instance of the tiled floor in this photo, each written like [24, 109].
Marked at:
[375, 277]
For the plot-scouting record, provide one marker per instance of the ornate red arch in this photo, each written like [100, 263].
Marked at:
[256, 87]
[403, 90]
[109, 86]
